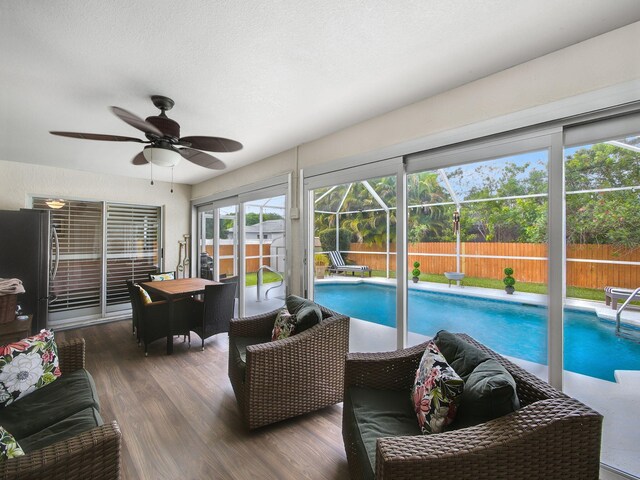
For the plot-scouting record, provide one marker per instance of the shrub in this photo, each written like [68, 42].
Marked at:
[508, 281]
[321, 259]
[416, 269]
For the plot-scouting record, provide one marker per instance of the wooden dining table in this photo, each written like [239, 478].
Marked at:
[172, 290]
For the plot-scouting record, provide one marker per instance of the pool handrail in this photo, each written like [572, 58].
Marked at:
[624, 305]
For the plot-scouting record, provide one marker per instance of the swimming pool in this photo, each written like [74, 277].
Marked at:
[591, 346]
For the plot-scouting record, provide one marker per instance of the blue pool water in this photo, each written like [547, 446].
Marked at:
[591, 346]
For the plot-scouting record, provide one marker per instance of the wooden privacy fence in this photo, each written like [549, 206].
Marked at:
[531, 266]
[226, 264]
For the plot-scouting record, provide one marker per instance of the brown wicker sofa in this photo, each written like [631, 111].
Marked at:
[276, 380]
[92, 454]
[551, 435]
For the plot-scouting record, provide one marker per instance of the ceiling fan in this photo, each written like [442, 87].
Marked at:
[166, 147]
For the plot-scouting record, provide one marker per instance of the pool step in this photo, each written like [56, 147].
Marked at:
[628, 317]
[628, 378]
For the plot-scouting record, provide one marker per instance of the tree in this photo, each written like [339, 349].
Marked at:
[611, 217]
[491, 210]
[253, 218]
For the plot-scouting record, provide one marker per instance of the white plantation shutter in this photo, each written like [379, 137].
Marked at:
[92, 235]
[133, 238]
[77, 284]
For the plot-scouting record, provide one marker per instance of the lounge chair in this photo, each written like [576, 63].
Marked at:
[338, 265]
[613, 294]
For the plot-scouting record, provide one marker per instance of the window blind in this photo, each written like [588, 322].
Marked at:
[133, 237]
[78, 280]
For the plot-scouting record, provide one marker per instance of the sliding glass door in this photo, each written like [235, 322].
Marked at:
[527, 242]
[477, 248]
[264, 247]
[602, 344]
[246, 236]
[217, 242]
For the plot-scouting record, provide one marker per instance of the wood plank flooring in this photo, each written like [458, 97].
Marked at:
[179, 417]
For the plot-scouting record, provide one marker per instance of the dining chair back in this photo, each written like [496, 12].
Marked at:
[215, 311]
[233, 279]
[136, 306]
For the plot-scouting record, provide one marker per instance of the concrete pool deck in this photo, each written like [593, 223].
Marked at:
[618, 401]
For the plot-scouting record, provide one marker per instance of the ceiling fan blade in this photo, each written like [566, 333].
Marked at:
[139, 159]
[203, 159]
[97, 136]
[136, 121]
[212, 144]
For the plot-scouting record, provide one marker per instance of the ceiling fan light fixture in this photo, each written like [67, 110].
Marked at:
[55, 203]
[161, 156]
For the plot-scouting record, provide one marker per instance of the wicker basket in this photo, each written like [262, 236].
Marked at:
[8, 307]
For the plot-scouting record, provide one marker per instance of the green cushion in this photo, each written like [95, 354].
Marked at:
[462, 356]
[307, 312]
[50, 404]
[69, 427]
[489, 389]
[489, 392]
[238, 347]
[378, 413]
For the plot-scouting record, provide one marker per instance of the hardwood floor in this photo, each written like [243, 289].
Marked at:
[179, 417]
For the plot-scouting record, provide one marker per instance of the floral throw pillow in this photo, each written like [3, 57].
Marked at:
[9, 447]
[27, 365]
[437, 391]
[284, 326]
[162, 276]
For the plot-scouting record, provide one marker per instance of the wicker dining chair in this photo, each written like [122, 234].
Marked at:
[550, 436]
[275, 380]
[212, 314]
[151, 321]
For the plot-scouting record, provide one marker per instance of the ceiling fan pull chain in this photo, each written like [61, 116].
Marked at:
[151, 172]
[171, 178]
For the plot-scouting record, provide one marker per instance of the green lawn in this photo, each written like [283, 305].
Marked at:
[572, 292]
[267, 277]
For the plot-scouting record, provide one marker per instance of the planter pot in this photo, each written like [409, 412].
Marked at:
[509, 290]
[320, 270]
[454, 277]
[415, 279]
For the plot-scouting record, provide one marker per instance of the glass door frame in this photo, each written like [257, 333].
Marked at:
[214, 208]
[275, 186]
[549, 139]
[312, 179]
[484, 149]
[258, 194]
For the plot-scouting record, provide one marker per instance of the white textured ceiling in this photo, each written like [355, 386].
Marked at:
[270, 74]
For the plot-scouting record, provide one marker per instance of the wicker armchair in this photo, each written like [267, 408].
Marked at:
[550, 436]
[94, 454]
[287, 377]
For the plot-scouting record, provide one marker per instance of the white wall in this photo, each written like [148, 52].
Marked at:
[525, 93]
[19, 181]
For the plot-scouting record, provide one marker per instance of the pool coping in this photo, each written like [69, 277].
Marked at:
[602, 311]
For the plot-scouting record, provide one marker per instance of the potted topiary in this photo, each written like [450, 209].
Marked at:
[321, 262]
[509, 281]
[416, 272]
